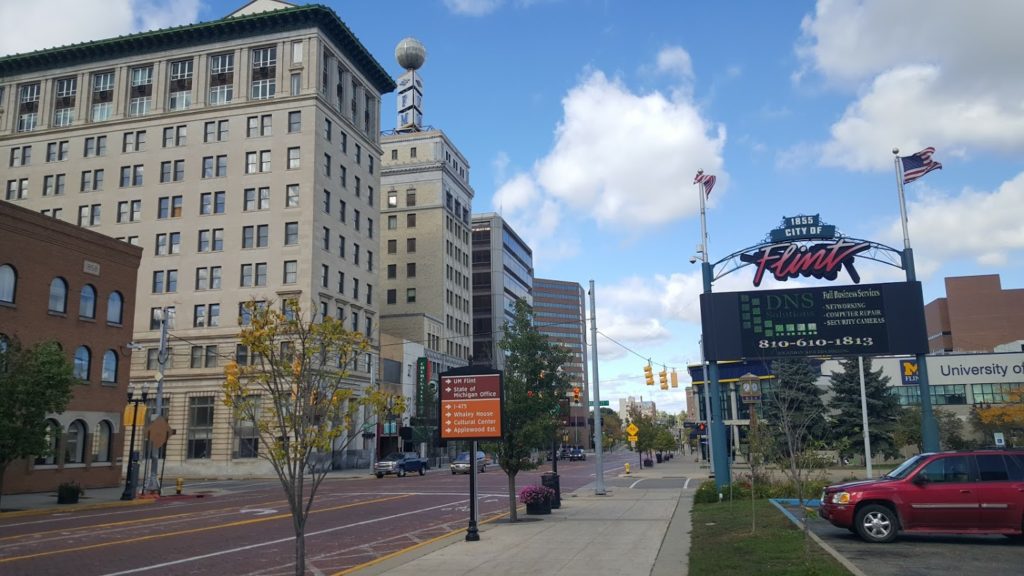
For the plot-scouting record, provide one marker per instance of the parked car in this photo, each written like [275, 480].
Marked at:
[460, 465]
[400, 463]
[577, 453]
[968, 492]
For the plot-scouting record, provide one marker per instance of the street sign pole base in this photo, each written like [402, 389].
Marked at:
[472, 534]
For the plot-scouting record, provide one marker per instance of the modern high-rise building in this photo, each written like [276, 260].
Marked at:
[559, 313]
[502, 275]
[976, 315]
[426, 202]
[243, 156]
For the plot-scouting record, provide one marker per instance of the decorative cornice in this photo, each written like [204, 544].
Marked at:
[189, 35]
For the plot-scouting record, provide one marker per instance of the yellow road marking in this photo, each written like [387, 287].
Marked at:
[128, 522]
[75, 508]
[411, 548]
[193, 530]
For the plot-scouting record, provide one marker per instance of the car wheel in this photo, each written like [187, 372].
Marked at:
[401, 472]
[379, 475]
[453, 472]
[876, 523]
[423, 470]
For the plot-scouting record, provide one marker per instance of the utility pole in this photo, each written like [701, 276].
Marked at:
[373, 431]
[153, 481]
[598, 437]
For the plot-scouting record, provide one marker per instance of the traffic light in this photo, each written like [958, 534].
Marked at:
[675, 379]
[576, 395]
[663, 379]
[649, 375]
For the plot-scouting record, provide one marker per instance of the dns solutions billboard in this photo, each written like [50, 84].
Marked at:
[866, 319]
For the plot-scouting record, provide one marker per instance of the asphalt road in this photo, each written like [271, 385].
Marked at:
[246, 528]
[925, 555]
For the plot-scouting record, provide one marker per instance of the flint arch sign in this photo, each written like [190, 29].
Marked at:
[863, 319]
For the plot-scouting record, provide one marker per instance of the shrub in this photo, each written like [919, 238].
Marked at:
[706, 493]
[69, 491]
[534, 494]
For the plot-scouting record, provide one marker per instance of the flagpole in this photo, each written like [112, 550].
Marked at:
[703, 220]
[929, 427]
[712, 389]
[902, 198]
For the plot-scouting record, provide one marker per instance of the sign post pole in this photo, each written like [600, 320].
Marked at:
[472, 404]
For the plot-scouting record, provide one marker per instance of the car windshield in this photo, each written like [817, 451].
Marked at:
[904, 469]
[462, 457]
[394, 456]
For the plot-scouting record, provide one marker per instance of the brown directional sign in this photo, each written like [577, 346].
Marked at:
[470, 406]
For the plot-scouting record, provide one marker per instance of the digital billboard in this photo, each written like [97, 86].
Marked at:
[868, 319]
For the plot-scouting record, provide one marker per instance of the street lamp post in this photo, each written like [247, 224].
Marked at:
[131, 477]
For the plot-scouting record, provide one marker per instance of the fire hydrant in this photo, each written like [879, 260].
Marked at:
[627, 467]
[179, 485]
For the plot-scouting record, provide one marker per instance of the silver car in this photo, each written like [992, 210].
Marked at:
[460, 465]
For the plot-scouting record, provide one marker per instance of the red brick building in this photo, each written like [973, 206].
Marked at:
[975, 316]
[65, 283]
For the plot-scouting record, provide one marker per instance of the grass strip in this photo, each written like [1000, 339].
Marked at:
[723, 544]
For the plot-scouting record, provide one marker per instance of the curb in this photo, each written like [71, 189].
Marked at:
[778, 503]
[76, 507]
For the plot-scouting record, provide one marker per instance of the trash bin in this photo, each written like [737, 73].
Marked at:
[659, 457]
[550, 480]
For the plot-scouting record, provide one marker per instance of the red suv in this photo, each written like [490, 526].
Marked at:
[973, 492]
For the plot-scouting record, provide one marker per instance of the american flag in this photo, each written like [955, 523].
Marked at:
[707, 179]
[917, 165]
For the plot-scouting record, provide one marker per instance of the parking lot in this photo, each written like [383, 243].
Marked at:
[919, 555]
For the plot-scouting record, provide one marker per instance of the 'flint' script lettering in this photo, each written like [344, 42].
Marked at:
[821, 261]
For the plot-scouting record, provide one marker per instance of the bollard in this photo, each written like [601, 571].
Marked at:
[627, 467]
[179, 485]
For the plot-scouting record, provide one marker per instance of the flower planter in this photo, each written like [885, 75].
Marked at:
[68, 493]
[539, 507]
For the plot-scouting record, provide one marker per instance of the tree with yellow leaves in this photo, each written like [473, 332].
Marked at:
[1007, 417]
[294, 392]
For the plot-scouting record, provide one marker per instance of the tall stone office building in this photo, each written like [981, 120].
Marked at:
[502, 275]
[559, 313]
[243, 156]
[426, 202]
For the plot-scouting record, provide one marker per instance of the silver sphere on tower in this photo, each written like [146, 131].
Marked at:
[410, 53]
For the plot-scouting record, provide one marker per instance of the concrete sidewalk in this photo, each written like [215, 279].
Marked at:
[641, 526]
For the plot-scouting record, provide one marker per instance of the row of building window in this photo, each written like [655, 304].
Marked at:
[262, 85]
[173, 136]
[58, 300]
[70, 446]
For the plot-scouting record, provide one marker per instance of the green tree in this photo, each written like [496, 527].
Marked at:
[611, 428]
[647, 431]
[793, 411]
[295, 393]
[34, 382]
[951, 429]
[883, 408]
[664, 440]
[533, 384]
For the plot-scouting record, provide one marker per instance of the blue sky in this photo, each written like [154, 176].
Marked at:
[584, 122]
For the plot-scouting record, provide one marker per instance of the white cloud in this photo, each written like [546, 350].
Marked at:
[607, 132]
[979, 225]
[911, 108]
[925, 74]
[80, 21]
[675, 60]
[473, 7]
